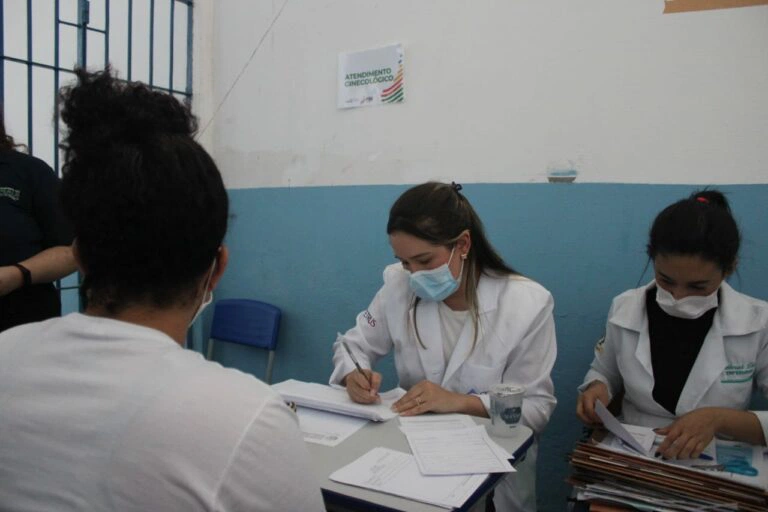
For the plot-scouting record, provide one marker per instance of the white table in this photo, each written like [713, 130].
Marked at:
[341, 497]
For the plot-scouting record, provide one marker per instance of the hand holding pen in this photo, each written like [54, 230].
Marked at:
[362, 384]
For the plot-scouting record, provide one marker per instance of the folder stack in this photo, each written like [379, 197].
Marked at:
[613, 478]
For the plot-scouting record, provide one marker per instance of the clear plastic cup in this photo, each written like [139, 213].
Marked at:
[506, 408]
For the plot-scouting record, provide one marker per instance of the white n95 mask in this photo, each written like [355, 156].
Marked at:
[690, 307]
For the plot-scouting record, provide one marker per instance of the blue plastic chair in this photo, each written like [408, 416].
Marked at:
[247, 322]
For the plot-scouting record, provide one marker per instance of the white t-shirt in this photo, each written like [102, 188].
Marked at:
[98, 414]
[451, 324]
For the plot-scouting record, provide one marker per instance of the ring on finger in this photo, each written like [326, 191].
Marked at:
[418, 401]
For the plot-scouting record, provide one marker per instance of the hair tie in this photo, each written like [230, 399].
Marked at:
[456, 186]
[702, 200]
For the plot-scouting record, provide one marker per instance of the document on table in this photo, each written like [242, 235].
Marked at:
[457, 452]
[327, 428]
[432, 422]
[397, 473]
[326, 398]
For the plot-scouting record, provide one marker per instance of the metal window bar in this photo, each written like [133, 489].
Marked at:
[151, 42]
[83, 29]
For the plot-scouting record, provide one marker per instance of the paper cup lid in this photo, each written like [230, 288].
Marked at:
[507, 389]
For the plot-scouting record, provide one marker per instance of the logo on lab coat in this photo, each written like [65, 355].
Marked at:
[738, 373]
[369, 318]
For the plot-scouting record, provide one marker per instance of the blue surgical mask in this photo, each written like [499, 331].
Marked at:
[436, 284]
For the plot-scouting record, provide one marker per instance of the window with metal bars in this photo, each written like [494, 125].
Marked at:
[41, 43]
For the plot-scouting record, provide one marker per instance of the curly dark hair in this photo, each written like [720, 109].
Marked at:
[147, 202]
[6, 141]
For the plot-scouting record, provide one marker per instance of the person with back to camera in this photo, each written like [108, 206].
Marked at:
[459, 320]
[686, 348]
[34, 237]
[107, 410]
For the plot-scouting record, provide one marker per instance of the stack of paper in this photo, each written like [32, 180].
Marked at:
[326, 398]
[608, 475]
[618, 467]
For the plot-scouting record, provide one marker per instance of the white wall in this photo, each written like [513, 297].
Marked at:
[203, 93]
[496, 91]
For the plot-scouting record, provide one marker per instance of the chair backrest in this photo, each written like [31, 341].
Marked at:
[246, 321]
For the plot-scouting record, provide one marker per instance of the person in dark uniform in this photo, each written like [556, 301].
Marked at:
[35, 239]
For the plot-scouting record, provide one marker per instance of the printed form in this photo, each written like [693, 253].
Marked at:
[397, 473]
[432, 422]
[458, 452]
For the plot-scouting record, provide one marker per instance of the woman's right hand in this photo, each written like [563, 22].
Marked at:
[585, 406]
[359, 389]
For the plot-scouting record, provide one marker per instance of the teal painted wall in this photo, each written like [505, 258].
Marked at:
[318, 253]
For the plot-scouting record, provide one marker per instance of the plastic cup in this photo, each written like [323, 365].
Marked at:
[506, 408]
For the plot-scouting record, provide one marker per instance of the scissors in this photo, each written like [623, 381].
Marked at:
[737, 466]
[740, 467]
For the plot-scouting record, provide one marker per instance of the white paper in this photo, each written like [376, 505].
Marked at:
[432, 422]
[707, 456]
[396, 473]
[645, 437]
[615, 427]
[650, 442]
[326, 398]
[457, 452]
[327, 428]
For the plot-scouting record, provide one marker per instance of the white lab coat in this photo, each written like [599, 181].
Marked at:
[733, 359]
[515, 344]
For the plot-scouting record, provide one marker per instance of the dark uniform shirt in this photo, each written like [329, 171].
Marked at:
[30, 218]
[675, 345]
[30, 221]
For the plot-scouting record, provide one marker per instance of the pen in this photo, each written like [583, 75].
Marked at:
[357, 365]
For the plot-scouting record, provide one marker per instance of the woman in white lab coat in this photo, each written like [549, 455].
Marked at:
[459, 320]
[687, 348]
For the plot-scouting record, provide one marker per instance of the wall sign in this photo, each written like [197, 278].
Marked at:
[671, 6]
[371, 77]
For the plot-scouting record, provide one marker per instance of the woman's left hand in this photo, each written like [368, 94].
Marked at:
[427, 396]
[689, 435]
